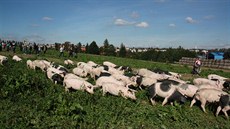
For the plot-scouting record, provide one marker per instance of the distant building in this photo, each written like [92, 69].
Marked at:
[161, 50]
[117, 49]
[138, 49]
[216, 55]
[133, 50]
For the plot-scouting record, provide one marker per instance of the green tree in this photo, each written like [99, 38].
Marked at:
[106, 43]
[111, 50]
[101, 49]
[169, 55]
[122, 51]
[93, 48]
[87, 48]
[105, 49]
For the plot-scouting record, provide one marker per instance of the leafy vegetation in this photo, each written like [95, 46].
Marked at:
[170, 55]
[29, 100]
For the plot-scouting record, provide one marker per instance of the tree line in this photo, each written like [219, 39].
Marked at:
[169, 55]
[92, 48]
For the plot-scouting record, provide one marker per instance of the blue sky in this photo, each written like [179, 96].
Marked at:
[135, 23]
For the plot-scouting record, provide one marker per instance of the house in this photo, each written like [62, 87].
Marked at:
[216, 55]
[117, 49]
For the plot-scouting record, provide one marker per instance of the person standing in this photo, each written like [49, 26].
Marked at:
[70, 52]
[61, 51]
[196, 66]
[39, 50]
[0, 46]
[13, 46]
[30, 48]
[8, 46]
[20, 46]
[4, 45]
[44, 49]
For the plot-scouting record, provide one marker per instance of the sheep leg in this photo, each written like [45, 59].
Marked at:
[203, 102]
[218, 110]
[193, 101]
[165, 101]
[225, 109]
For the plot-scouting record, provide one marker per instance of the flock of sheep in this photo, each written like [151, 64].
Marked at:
[111, 79]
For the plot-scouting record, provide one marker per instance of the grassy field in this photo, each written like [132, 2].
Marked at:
[29, 100]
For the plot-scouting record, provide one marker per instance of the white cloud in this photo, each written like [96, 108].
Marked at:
[135, 15]
[172, 25]
[142, 24]
[190, 20]
[122, 22]
[47, 18]
[209, 17]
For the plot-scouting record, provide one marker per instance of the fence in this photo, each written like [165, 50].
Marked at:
[223, 64]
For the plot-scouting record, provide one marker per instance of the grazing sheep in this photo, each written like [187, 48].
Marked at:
[3, 59]
[16, 58]
[68, 62]
[207, 95]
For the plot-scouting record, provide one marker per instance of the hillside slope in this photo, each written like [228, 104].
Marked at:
[29, 100]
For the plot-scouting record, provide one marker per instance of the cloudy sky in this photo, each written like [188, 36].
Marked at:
[135, 23]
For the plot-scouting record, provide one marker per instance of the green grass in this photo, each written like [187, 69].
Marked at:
[29, 100]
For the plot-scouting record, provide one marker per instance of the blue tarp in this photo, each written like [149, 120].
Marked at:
[217, 55]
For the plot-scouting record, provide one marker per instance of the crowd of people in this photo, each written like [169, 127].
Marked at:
[25, 47]
[33, 48]
[8, 45]
[72, 51]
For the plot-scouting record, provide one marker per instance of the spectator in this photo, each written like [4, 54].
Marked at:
[39, 50]
[196, 66]
[70, 52]
[20, 46]
[14, 46]
[34, 47]
[24, 48]
[75, 51]
[7, 46]
[61, 51]
[45, 49]
[30, 48]
[4, 45]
